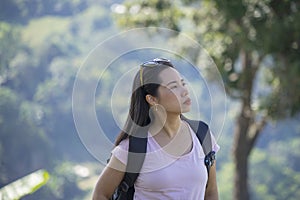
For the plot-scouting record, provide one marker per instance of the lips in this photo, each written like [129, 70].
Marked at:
[188, 101]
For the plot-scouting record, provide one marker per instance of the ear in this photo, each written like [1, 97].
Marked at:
[151, 99]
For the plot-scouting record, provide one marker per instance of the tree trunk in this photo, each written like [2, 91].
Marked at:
[244, 137]
[240, 153]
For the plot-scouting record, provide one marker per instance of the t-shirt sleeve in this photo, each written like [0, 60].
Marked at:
[121, 151]
[215, 146]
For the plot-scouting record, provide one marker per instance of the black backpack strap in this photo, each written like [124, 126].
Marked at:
[203, 134]
[138, 149]
[136, 156]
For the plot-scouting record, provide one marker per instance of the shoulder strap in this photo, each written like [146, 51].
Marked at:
[135, 160]
[136, 156]
[138, 149]
[203, 134]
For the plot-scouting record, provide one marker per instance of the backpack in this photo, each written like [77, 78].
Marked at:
[125, 190]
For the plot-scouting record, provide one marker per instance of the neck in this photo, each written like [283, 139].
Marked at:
[170, 125]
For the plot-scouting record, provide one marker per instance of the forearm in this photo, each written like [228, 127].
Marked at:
[99, 197]
[109, 180]
[98, 194]
[212, 196]
[211, 192]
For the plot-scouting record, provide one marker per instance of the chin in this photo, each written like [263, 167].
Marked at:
[185, 110]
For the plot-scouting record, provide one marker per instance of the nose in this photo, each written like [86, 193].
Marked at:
[185, 91]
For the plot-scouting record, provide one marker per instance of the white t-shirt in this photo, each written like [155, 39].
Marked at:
[166, 177]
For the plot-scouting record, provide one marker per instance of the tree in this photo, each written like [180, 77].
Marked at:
[251, 41]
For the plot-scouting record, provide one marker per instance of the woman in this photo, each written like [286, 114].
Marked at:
[174, 164]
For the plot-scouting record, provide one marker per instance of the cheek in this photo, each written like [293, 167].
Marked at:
[169, 98]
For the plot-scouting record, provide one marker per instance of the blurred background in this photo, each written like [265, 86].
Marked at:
[255, 45]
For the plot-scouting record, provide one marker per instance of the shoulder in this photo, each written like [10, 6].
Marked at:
[124, 145]
[121, 151]
[199, 127]
[203, 133]
[195, 124]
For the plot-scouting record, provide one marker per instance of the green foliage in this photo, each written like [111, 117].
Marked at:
[225, 180]
[257, 22]
[229, 29]
[17, 121]
[39, 60]
[275, 166]
[9, 36]
[40, 30]
[15, 11]
[162, 13]
[273, 173]
[253, 43]
[43, 44]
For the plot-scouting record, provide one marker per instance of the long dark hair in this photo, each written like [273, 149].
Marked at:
[139, 116]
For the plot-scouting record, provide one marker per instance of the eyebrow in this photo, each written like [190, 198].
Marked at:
[182, 80]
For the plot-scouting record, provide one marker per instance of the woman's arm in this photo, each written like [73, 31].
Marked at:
[109, 179]
[211, 192]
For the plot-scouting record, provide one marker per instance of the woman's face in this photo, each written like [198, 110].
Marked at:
[173, 94]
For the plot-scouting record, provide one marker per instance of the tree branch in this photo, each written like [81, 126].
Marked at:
[254, 131]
